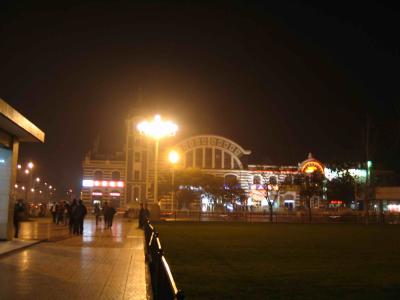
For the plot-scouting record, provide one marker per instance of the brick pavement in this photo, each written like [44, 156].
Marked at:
[101, 264]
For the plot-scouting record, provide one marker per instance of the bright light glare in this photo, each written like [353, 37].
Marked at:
[26, 171]
[37, 179]
[157, 128]
[19, 166]
[173, 157]
[30, 165]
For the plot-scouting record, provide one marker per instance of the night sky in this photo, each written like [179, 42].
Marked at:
[279, 79]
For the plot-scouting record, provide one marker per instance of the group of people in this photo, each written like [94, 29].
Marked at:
[72, 215]
[108, 212]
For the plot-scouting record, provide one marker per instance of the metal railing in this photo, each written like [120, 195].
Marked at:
[283, 217]
[162, 281]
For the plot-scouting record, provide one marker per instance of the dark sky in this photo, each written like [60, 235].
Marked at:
[280, 79]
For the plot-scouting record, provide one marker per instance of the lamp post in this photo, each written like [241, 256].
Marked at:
[173, 158]
[157, 129]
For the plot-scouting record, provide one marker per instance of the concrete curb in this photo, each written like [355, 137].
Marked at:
[11, 251]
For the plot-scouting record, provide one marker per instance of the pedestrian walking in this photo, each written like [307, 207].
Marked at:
[110, 216]
[19, 210]
[141, 216]
[81, 213]
[73, 228]
[53, 210]
[66, 213]
[59, 212]
[97, 212]
[105, 213]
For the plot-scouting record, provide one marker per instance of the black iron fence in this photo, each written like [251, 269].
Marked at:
[284, 217]
[162, 281]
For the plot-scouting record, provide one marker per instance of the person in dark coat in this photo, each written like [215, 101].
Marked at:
[73, 220]
[105, 213]
[97, 213]
[19, 210]
[141, 216]
[110, 216]
[81, 212]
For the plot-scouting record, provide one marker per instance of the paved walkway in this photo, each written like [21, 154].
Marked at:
[101, 264]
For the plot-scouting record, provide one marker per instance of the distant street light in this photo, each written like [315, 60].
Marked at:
[26, 171]
[173, 158]
[37, 179]
[19, 166]
[30, 165]
[157, 129]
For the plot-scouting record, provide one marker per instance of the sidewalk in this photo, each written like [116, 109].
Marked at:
[32, 232]
[101, 264]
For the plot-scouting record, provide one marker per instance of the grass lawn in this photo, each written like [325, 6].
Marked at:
[283, 261]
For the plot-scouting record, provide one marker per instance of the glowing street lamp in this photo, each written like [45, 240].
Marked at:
[173, 158]
[157, 129]
[30, 165]
[26, 171]
[19, 166]
[37, 179]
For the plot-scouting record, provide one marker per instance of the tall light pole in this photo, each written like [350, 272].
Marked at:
[173, 158]
[157, 129]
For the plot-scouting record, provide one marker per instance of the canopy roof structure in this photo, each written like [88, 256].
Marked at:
[14, 123]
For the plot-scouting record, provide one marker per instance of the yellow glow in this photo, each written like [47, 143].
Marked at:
[19, 166]
[157, 128]
[30, 165]
[173, 157]
[23, 188]
[26, 171]
[37, 179]
[311, 167]
[16, 186]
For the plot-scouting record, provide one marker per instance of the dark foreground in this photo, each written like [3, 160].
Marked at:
[283, 261]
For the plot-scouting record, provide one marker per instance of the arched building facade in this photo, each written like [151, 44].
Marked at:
[211, 154]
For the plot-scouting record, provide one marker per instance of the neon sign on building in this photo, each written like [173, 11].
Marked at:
[102, 183]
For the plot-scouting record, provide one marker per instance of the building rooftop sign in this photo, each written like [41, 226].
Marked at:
[16, 124]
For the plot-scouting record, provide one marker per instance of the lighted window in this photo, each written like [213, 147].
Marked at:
[98, 175]
[189, 159]
[227, 160]
[137, 156]
[218, 159]
[231, 180]
[257, 179]
[199, 158]
[235, 164]
[208, 158]
[136, 193]
[115, 175]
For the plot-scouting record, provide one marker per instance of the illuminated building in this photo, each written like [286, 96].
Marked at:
[212, 154]
[103, 178]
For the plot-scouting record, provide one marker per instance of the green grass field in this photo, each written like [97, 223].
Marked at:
[283, 261]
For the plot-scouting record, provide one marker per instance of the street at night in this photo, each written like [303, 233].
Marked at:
[165, 150]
